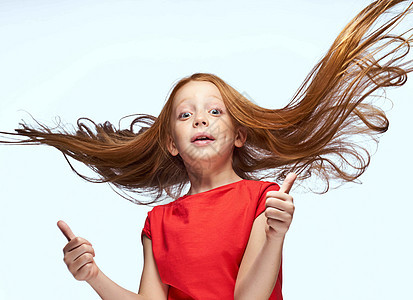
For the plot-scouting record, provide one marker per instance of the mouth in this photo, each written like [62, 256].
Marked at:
[202, 138]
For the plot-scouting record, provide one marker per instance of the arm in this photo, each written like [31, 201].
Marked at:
[151, 286]
[108, 289]
[260, 265]
[78, 256]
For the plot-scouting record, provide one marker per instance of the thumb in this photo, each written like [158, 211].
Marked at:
[288, 183]
[65, 230]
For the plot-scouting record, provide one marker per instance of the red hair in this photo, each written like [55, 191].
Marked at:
[313, 134]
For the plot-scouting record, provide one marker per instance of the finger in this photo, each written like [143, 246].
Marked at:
[281, 204]
[85, 271]
[288, 183]
[81, 261]
[276, 214]
[278, 195]
[65, 230]
[75, 243]
[74, 254]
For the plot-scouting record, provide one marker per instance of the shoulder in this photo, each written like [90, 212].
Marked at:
[258, 191]
[261, 186]
[161, 208]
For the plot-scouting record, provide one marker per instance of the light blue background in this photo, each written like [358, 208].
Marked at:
[108, 59]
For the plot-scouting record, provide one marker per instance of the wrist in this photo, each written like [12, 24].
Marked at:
[275, 239]
[96, 278]
[273, 236]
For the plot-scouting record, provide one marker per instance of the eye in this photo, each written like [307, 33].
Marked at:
[216, 110]
[184, 115]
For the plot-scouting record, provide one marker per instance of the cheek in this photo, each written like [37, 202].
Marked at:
[226, 131]
[220, 126]
[179, 138]
[176, 141]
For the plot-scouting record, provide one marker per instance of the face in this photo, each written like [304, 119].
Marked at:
[202, 129]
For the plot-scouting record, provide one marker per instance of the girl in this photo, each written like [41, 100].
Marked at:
[300, 137]
[197, 247]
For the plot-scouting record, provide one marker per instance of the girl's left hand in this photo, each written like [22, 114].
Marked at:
[279, 209]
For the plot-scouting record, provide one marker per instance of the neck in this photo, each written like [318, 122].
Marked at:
[207, 181]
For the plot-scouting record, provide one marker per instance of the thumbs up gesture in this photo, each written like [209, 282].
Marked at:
[279, 209]
[78, 255]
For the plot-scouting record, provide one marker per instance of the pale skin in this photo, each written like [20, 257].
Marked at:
[194, 112]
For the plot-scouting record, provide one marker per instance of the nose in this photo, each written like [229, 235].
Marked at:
[200, 119]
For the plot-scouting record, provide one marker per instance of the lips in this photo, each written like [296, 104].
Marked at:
[202, 136]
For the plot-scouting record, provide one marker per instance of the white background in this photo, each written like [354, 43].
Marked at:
[108, 59]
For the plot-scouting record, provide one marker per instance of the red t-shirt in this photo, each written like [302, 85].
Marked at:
[198, 241]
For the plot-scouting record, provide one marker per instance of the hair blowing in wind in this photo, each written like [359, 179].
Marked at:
[312, 135]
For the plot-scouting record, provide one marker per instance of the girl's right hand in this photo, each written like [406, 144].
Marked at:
[78, 255]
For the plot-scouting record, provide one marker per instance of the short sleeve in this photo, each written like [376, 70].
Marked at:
[268, 186]
[147, 227]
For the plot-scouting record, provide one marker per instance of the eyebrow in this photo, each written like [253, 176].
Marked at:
[180, 102]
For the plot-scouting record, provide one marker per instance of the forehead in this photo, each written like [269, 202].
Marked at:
[194, 90]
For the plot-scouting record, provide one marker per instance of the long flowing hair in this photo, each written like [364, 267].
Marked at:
[316, 133]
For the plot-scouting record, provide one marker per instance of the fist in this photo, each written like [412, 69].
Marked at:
[279, 209]
[78, 255]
